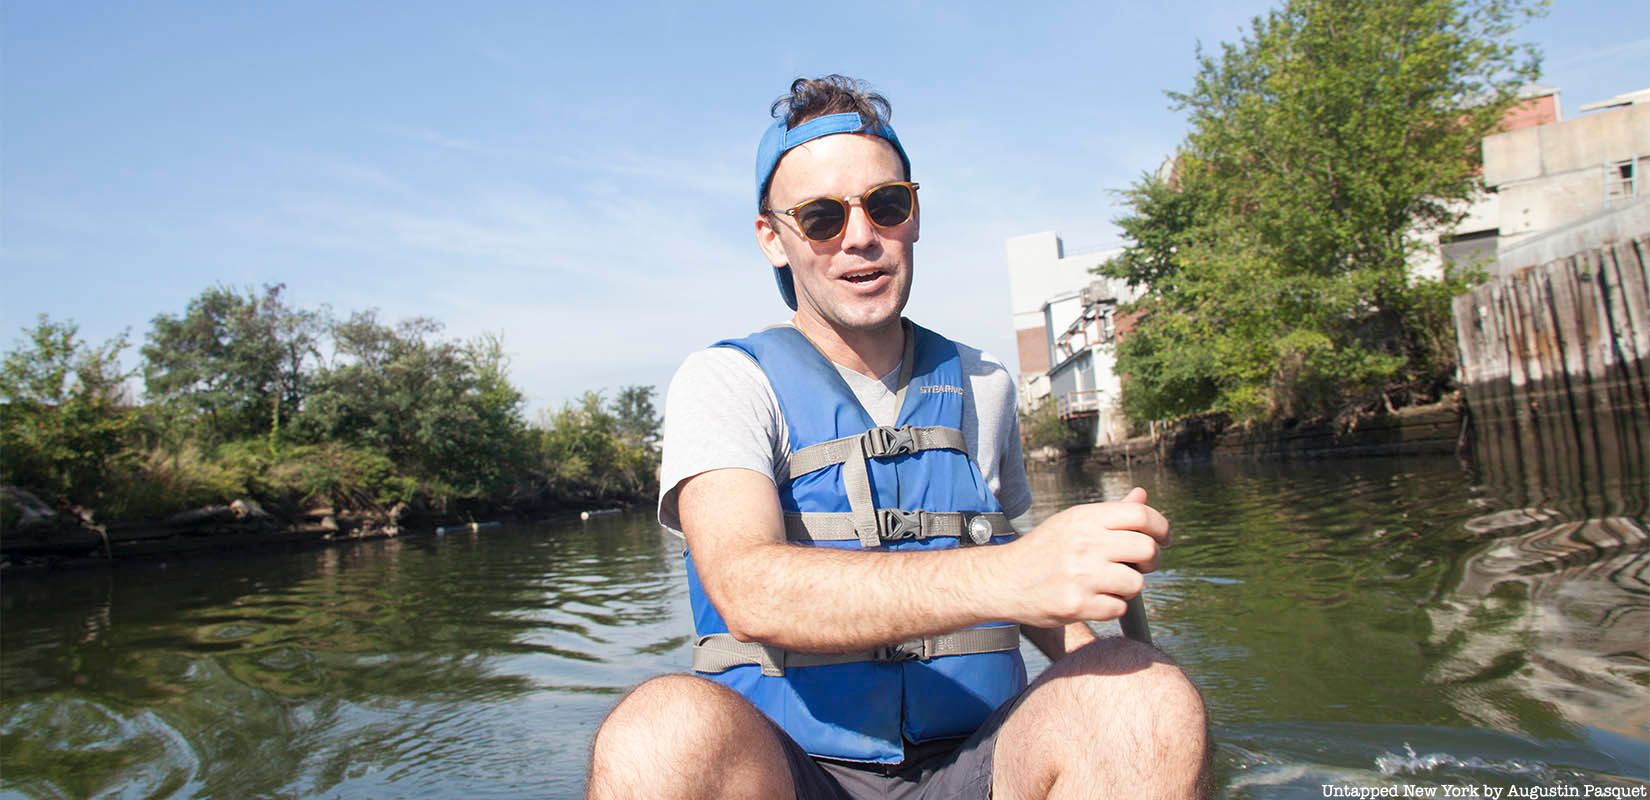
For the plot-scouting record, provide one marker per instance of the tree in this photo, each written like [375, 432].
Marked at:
[62, 424]
[238, 363]
[638, 421]
[1274, 258]
[443, 411]
[595, 450]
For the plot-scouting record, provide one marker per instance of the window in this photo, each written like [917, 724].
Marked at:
[1620, 181]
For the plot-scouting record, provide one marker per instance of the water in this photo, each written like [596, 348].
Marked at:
[1361, 622]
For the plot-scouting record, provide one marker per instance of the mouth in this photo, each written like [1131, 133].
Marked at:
[864, 276]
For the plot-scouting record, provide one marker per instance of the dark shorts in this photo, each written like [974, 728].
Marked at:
[959, 768]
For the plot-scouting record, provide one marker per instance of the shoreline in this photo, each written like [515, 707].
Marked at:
[83, 546]
[1441, 428]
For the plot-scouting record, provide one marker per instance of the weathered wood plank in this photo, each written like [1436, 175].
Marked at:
[1630, 306]
[1586, 317]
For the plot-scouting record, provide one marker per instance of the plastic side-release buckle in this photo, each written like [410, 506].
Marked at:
[894, 523]
[886, 441]
[909, 650]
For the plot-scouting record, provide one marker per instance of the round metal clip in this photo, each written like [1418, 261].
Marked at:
[979, 530]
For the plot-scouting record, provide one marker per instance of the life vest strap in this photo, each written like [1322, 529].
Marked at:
[720, 652]
[875, 443]
[854, 453]
[894, 524]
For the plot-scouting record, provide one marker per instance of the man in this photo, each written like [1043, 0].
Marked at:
[844, 484]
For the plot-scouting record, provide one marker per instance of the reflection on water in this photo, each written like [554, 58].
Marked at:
[465, 665]
[1363, 622]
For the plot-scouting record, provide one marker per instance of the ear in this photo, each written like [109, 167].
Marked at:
[767, 238]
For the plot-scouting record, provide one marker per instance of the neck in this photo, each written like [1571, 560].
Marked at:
[873, 352]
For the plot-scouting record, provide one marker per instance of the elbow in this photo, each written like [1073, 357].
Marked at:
[745, 608]
[748, 630]
[748, 619]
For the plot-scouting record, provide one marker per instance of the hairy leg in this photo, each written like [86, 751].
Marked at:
[1114, 719]
[684, 737]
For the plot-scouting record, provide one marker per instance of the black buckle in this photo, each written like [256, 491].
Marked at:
[885, 441]
[893, 523]
[903, 651]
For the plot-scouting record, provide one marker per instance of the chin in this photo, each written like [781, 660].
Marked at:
[868, 319]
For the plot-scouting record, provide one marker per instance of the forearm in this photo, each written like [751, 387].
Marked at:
[1080, 564]
[1055, 643]
[828, 600]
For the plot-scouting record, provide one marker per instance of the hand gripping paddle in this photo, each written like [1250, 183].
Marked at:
[1133, 621]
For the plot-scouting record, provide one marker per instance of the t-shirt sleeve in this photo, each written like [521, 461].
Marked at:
[993, 419]
[1016, 487]
[720, 413]
[1014, 490]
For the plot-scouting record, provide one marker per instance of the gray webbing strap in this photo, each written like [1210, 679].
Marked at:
[876, 442]
[894, 524]
[862, 506]
[720, 652]
[907, 363]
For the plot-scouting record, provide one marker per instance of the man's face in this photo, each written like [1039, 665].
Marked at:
[860, 281]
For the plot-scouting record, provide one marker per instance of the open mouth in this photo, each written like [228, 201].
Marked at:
[864, 276]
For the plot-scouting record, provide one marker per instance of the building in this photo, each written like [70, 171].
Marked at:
[1543, 173]
[1543, 176]
[1065, 327]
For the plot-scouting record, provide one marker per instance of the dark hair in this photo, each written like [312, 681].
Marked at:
[832, 94]
[810, 98]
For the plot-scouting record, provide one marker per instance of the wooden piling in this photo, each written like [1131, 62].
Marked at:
[1553, 361]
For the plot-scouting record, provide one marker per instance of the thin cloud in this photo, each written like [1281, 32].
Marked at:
[1595, 54]
[436, 138]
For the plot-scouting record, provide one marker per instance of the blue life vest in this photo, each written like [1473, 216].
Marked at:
[865, 710]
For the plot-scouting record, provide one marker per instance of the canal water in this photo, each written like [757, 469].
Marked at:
[1363, 622]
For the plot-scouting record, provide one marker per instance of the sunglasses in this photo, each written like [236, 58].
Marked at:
[825, 218]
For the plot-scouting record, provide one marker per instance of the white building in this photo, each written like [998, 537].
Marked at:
[1543, 173]
[1065, 328]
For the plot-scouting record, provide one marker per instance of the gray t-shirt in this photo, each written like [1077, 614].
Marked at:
[720, 412]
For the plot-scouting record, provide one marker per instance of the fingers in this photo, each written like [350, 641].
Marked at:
[1085, 562]
[1109, 594]
[1099, 594]
[1125, 516]
[1126, 547]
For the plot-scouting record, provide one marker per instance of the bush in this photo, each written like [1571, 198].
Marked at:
[62, 428]
[1043, 427]
[596, 451]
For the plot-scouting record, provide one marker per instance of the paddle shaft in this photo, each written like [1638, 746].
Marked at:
[1133, 621]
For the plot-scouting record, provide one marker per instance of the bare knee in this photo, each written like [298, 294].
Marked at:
[1150, 702]
[1117, 669]
[665, 713]
[662, 739]
[1152, 737]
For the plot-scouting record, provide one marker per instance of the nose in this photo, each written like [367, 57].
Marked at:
[858, 232]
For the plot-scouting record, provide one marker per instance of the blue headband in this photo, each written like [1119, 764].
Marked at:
[778, 140]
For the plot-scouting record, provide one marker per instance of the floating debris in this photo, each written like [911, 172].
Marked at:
[468, 527]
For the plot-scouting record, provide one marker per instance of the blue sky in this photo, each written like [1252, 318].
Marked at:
[577, 177]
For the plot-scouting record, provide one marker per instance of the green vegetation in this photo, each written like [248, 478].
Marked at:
[1274, 261]
[247, 397]
[1042, 427]
[62, 427]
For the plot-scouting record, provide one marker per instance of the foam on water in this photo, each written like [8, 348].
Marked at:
[1411, 764]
